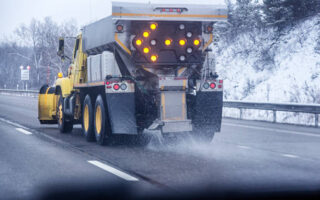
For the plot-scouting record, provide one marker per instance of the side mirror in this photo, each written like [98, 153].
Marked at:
[61, 48]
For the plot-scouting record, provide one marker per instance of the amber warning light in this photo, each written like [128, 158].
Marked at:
[138, 42]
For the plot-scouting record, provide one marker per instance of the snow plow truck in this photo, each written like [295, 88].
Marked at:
[145, 67]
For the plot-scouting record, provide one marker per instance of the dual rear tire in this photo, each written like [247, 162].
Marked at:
[65, 125]
[94, 121]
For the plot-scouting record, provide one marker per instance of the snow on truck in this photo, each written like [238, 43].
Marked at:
[147, 66]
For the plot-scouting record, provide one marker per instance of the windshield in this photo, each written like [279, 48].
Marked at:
[160, 99]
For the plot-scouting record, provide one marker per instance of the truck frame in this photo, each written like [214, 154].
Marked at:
[147, 66]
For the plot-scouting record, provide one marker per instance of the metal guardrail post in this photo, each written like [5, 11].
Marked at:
[274, 116]
[316, 119]
[241, 112]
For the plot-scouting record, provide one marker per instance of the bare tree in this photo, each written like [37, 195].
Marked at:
[42, 38]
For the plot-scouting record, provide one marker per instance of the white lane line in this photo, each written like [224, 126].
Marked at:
[11, 123]
[289, 156]
[244, 147]
[273, 130]
[23, 131]
[113, 170]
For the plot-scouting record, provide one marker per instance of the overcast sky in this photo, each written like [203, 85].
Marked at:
[15, 12]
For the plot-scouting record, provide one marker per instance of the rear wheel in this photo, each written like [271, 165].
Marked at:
[87, 119]
[65, 125]
[100, 128]
[203, 134]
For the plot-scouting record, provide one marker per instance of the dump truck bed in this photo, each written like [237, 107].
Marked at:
[100, 34]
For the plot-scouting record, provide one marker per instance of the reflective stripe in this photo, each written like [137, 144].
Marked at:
[183, 106]
[166, 15]
[181, 70]
[163, 104]
[208, 43]
[184, 83]
[121, 44]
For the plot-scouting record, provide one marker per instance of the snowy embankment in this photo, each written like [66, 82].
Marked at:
[266, 66]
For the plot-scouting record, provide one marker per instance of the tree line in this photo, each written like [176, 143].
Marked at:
[35, 45]
[245, 15]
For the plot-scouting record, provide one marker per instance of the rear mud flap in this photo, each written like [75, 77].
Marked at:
[121, 110]
[47, 104]
[207, 110]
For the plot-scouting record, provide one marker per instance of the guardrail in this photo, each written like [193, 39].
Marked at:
[286, 107]
[33, 93]
[241, 105]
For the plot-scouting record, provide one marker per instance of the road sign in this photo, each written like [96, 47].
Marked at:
[24, 75]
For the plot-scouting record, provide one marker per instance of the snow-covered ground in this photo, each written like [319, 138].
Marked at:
[258, 66]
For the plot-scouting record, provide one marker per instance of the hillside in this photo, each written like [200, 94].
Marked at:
[261, 67]
[258, 66]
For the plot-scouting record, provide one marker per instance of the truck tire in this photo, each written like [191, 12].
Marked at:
[100, 128]
[87, 119]
[203, 134]
[64, 125]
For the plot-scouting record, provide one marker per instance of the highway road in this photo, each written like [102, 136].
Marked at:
[244, 156]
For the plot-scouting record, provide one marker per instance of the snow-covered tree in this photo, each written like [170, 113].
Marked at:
[281, 13]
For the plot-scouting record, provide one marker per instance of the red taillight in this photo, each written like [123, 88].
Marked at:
[108, 83]
[212, 85]
[219, 86]
[220, 81]
[116, 86]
